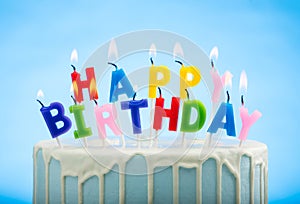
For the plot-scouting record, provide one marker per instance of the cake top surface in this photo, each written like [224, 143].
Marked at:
[104, 159]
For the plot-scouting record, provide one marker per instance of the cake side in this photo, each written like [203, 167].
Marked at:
[73, 174]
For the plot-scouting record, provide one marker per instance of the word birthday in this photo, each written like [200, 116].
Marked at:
[120, 84]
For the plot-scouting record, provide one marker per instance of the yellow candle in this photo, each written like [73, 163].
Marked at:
[155, 80]
[189, 76]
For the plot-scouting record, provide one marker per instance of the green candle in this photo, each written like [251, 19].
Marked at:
[82, 130]
[186, 126]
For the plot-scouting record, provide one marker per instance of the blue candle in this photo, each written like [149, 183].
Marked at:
[225, 110]
[52, 120]
[134, 106]
[119, 76]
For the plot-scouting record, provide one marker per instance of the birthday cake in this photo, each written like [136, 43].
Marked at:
[71, 175]
[195, 164]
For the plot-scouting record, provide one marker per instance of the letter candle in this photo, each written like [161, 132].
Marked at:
[52, 120]
[186, 126]
[82, 131]
[90, 84]
[188, 105]
[247, 121]
[189, 76]
[161, 112]
[119, 76]
[110, 121]
[134, 106]
[218, 84]
[225, 110]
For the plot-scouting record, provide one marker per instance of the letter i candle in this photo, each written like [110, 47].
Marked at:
[82, 131]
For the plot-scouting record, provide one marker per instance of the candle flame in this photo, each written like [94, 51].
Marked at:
[74, 56]
[227, 79]
[177, 51]
[152, 50]
[214, 53]
[40, 94]
[243, 82]
[112, 51]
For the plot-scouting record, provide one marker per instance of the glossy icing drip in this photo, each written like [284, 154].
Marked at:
[86, 166]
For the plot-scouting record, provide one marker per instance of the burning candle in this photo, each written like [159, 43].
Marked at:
[82, 130]
[52, 120]
[119, 77]
[189, 76]
[217, 85]
[219, 81]
[247, 121]
[188, 105]
[225, 110]
[79, 85]
[134, 106]
[160, 112]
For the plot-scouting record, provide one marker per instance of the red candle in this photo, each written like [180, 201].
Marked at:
[89, 83]
[160, 112]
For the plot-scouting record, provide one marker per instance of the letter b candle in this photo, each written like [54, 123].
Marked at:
[52, 120]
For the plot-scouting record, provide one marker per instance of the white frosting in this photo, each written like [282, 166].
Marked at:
[107, 157]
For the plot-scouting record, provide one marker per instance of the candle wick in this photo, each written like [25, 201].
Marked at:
[40, 102]
[134, 96]
[159, 91]
[113, 65]
[242, 100]
[228, 97]
[151, 60]
[212, 64]
[74, 100]
[95, 101]
[74, 68]
[179, 62]
[187, 94]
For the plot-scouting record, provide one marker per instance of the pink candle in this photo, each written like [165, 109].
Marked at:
[110, 121]
[218, 85]
[247, 120]
[219, 81]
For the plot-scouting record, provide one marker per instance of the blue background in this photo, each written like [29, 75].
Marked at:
[37, 37]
